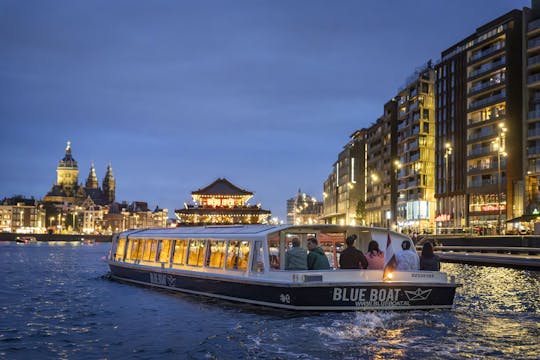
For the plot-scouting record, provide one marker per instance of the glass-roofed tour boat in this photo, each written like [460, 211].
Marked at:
[247, 264]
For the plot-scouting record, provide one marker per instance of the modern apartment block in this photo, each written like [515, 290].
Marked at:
[344, 189]
[531, 109]
[415, 168]
[381, 184]
[479, 127]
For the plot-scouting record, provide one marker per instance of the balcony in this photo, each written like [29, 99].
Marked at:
[533, 132]
[487, 67]
[531, 44]
[479, 151]
[533, 60]
[480, 183]
[532, 79]
[486, 85]
[487, 101]
[533, 25]
[498, 46]
[485, 132]
[535, 114]
[531, 151]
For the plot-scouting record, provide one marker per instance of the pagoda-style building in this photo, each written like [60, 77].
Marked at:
[221, 203]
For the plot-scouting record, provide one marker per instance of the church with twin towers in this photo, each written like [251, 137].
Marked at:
[68, 190]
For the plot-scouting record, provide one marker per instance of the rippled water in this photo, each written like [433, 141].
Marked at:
[56, 304]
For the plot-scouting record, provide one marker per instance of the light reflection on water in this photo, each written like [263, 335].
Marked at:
[55, 304]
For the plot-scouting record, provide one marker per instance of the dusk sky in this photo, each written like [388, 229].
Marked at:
[176, 94]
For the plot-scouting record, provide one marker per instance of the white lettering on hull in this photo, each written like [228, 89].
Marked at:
[361, 294]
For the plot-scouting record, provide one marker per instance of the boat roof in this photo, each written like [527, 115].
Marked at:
[239, 231]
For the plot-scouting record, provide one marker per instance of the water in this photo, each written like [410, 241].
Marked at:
[56, 304]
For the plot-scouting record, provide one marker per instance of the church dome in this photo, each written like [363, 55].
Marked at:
[68, 161]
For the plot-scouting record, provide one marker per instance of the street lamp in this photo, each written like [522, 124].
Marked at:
[447, 152]
[500, 146]
[397, 167]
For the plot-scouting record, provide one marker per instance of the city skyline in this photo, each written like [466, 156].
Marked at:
[174, 105]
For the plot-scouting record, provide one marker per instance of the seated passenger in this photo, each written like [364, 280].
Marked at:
[428, 260]
[296, 257]
[351, 257]
[407, 258]
[374, 256]
[316, 259]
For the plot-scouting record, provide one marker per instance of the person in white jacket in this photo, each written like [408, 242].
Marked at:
[407, 259]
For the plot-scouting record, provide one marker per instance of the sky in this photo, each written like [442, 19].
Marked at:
[175, 94]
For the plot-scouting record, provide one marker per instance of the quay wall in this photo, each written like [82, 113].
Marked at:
[57, 237]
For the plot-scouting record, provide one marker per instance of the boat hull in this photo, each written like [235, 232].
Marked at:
[315, 296]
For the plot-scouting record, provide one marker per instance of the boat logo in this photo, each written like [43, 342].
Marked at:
[171, 281]
[418, 294]
[285, 298]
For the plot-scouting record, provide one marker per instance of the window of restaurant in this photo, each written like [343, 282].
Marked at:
[216, 253]
[135, 250]
[120, 249]
[196, 252]
[180, 248]
[273, 252]
[150, 249]
[164, 250]
[257, 264]
[237, 255]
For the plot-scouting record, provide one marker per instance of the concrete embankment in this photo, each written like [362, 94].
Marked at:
[57, 237]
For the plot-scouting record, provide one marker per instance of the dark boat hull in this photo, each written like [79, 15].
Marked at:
[297, 296]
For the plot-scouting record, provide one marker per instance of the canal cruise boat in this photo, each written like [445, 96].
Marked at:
[247, 264]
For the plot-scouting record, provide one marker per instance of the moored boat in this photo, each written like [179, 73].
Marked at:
[246, 264]
[25, 239]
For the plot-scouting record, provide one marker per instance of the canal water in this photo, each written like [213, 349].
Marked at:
[55, 303]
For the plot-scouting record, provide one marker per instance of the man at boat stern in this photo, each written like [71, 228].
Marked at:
[316, 259]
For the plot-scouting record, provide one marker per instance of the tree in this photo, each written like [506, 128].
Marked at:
[361, 212]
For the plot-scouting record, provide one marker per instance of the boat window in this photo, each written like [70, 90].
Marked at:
[257, 264]
[180, 247]
[196, 252]
[216, 254]
[164, 250]
[150, 249]
[237, 255]
[120, 249]
[135, 251]
[332, 244]
[273, 252]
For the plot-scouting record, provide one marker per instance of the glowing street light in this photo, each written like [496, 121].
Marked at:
[500, 146]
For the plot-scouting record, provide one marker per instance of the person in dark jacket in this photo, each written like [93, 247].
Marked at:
[316, 259]
[296, 257]
[428, 260]
[351, 257]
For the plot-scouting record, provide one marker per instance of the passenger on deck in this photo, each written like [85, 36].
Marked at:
[316, 259]
[351, 257]
[428, 260]
[407, 259]
[296, 257]
[374, 256]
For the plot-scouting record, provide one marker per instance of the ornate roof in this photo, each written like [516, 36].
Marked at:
[222, 186]
[68, 160]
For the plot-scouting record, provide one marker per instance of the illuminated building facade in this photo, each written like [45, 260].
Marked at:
[304, 209]
[344, 190]
[531, 109]
[21, 215]
[479, 111]
[221, 202]
[380, 180]
[415, 167]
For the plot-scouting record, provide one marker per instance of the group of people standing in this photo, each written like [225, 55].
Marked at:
[407, 259]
